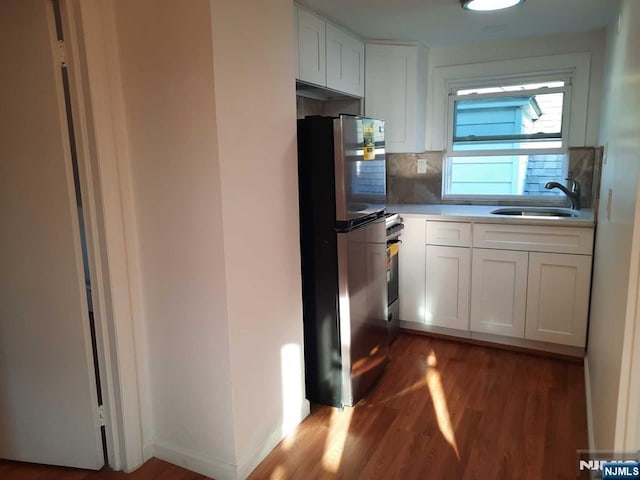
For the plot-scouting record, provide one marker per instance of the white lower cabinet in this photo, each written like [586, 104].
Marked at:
[558, 298]
[450, 279]
[448, 271]
[532, 295]
[411, 268]
[499, 292]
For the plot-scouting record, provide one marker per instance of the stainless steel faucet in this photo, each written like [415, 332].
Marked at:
[573, 192]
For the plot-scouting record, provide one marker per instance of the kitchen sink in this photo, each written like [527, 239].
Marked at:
[535, 212]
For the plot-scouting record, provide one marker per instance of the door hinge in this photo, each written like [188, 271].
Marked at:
[62, 52]
[101, 415]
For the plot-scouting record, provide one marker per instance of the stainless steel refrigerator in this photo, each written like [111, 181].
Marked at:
[342, 188]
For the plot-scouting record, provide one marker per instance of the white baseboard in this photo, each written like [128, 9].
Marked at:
[147, 451]
[194, 461]
[210, 467]
[497, 341]
[251, 461]
[587, 387]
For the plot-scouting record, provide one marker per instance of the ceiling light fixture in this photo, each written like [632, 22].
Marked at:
[488, 5]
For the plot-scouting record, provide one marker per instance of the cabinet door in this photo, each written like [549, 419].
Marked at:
[390, 94]
[411, 270]
[558, 298]
[311, 48]
[448, 274]
[499, 292]
[345, 62]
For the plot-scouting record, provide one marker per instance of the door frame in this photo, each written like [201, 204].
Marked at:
[91, 52]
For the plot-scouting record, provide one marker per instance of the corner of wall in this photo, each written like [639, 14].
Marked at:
[616, 260]
[259, 452]
[587, 386]
[194, 461]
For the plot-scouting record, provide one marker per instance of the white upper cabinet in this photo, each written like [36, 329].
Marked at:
[312, 58]
[345, 62]
[328, 56]
[396, 85]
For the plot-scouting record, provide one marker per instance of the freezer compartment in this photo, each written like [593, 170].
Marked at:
[338, 182]
[360, 168]
[362, 290]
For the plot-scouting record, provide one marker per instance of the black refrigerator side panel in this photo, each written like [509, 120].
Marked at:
[318, 244]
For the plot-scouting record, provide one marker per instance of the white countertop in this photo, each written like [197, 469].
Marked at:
[482, 213]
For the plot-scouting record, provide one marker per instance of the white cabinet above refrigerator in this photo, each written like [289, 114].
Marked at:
[327, 55]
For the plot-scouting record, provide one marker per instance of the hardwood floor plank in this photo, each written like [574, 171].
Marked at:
[442, 411]
[511, 415]
[154, 469]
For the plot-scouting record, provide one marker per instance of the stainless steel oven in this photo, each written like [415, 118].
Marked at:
[394, 230]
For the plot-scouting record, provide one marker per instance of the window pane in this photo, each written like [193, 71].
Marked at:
[509, 122]
[510, 88]
[505, 145]
[505, 175]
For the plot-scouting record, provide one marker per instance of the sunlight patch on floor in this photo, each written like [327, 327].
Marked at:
[434, 383]
[336, 439]
[279, 473]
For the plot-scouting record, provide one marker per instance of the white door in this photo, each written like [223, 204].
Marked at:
[558, 298]
[48, 399]
[499, 291]
[448, 275]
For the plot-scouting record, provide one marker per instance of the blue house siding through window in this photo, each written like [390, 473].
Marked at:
[499, 175]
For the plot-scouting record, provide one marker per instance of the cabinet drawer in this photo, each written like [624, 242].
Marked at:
[533, 238]
[453, 234]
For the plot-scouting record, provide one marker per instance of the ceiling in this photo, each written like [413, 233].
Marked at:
[444, 22]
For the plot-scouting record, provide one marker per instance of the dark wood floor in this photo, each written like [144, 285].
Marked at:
[154, 469]
[443, 410]
[446, 410]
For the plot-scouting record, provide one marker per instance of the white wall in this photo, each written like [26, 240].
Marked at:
[612, 270]
[167, 77]
[210, 116]
[253, 45]
[592, 42]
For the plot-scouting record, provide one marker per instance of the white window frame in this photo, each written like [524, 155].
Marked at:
[505, 151]
[503, 80]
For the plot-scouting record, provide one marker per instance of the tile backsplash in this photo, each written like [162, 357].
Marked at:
[405, 185]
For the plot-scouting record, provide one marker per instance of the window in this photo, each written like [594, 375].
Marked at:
[507, 138]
